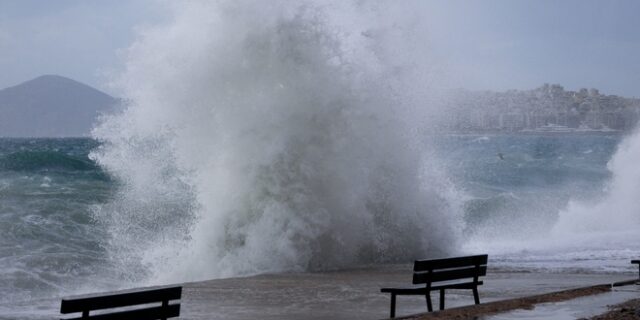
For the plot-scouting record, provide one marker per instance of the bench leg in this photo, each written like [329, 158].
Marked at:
[429, 306]
[441, 299]
[165, 305]
[393, 305]
[476, 296]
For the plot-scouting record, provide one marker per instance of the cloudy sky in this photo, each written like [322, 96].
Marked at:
[80, 39]
[491, 44]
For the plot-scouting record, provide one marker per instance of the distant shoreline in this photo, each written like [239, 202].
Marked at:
[534, 133]
[443, 133]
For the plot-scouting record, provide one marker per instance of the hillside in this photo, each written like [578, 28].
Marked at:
[51, 106]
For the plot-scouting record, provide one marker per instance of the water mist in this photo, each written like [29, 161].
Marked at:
[613, 219]
[271, 137]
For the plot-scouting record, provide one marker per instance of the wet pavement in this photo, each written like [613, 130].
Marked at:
[349, 294]
[355, 294]
[579, 308]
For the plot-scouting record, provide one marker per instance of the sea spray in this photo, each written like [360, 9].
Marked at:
[612, 219]
[562, 203]
[269, 137]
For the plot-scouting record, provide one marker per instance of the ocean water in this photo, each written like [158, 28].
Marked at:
[56, 238]
[556, 203]
[264, 138]
[49, 240]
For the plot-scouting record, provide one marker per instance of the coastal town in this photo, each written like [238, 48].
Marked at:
[549, 108]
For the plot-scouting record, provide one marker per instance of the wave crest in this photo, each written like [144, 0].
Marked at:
[44, 160]
[269, 138]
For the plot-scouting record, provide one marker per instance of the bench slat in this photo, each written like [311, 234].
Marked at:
[424, 265]
[464, 285]
[447, 275]
[170, 311]
[119, 300]
[423, 291]
[406, 291]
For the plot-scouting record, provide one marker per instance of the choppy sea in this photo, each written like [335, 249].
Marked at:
[518, 195]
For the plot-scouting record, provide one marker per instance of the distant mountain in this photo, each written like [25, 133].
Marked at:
[51, 106]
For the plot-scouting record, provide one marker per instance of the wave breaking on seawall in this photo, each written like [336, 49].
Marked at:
[272, 137]
[612, 219]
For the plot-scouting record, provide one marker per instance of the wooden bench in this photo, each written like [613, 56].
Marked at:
[91, 303]
[638, 263]
[442, 274]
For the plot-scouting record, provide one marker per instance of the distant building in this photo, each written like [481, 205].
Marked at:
[548, 106]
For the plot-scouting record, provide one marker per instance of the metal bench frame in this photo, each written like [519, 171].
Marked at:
[445, 274]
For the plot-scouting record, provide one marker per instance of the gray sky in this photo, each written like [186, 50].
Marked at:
[493, 44]
[80, 39]
[522, 44]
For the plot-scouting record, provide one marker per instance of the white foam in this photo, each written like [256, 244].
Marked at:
[599, 234]
[273, 136]
[616, 213]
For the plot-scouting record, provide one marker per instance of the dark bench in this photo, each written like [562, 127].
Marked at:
[442, 274]
[160, 297]
[638, 263]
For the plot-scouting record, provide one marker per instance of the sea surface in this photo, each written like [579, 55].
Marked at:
[50, 242]
[551, 202]
[513, 191]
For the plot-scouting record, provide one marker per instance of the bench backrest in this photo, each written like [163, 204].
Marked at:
[437, 270]
[118, 300]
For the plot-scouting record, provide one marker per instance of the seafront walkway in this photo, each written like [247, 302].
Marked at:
[345, 294]
[580, 303]
[354, 294]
